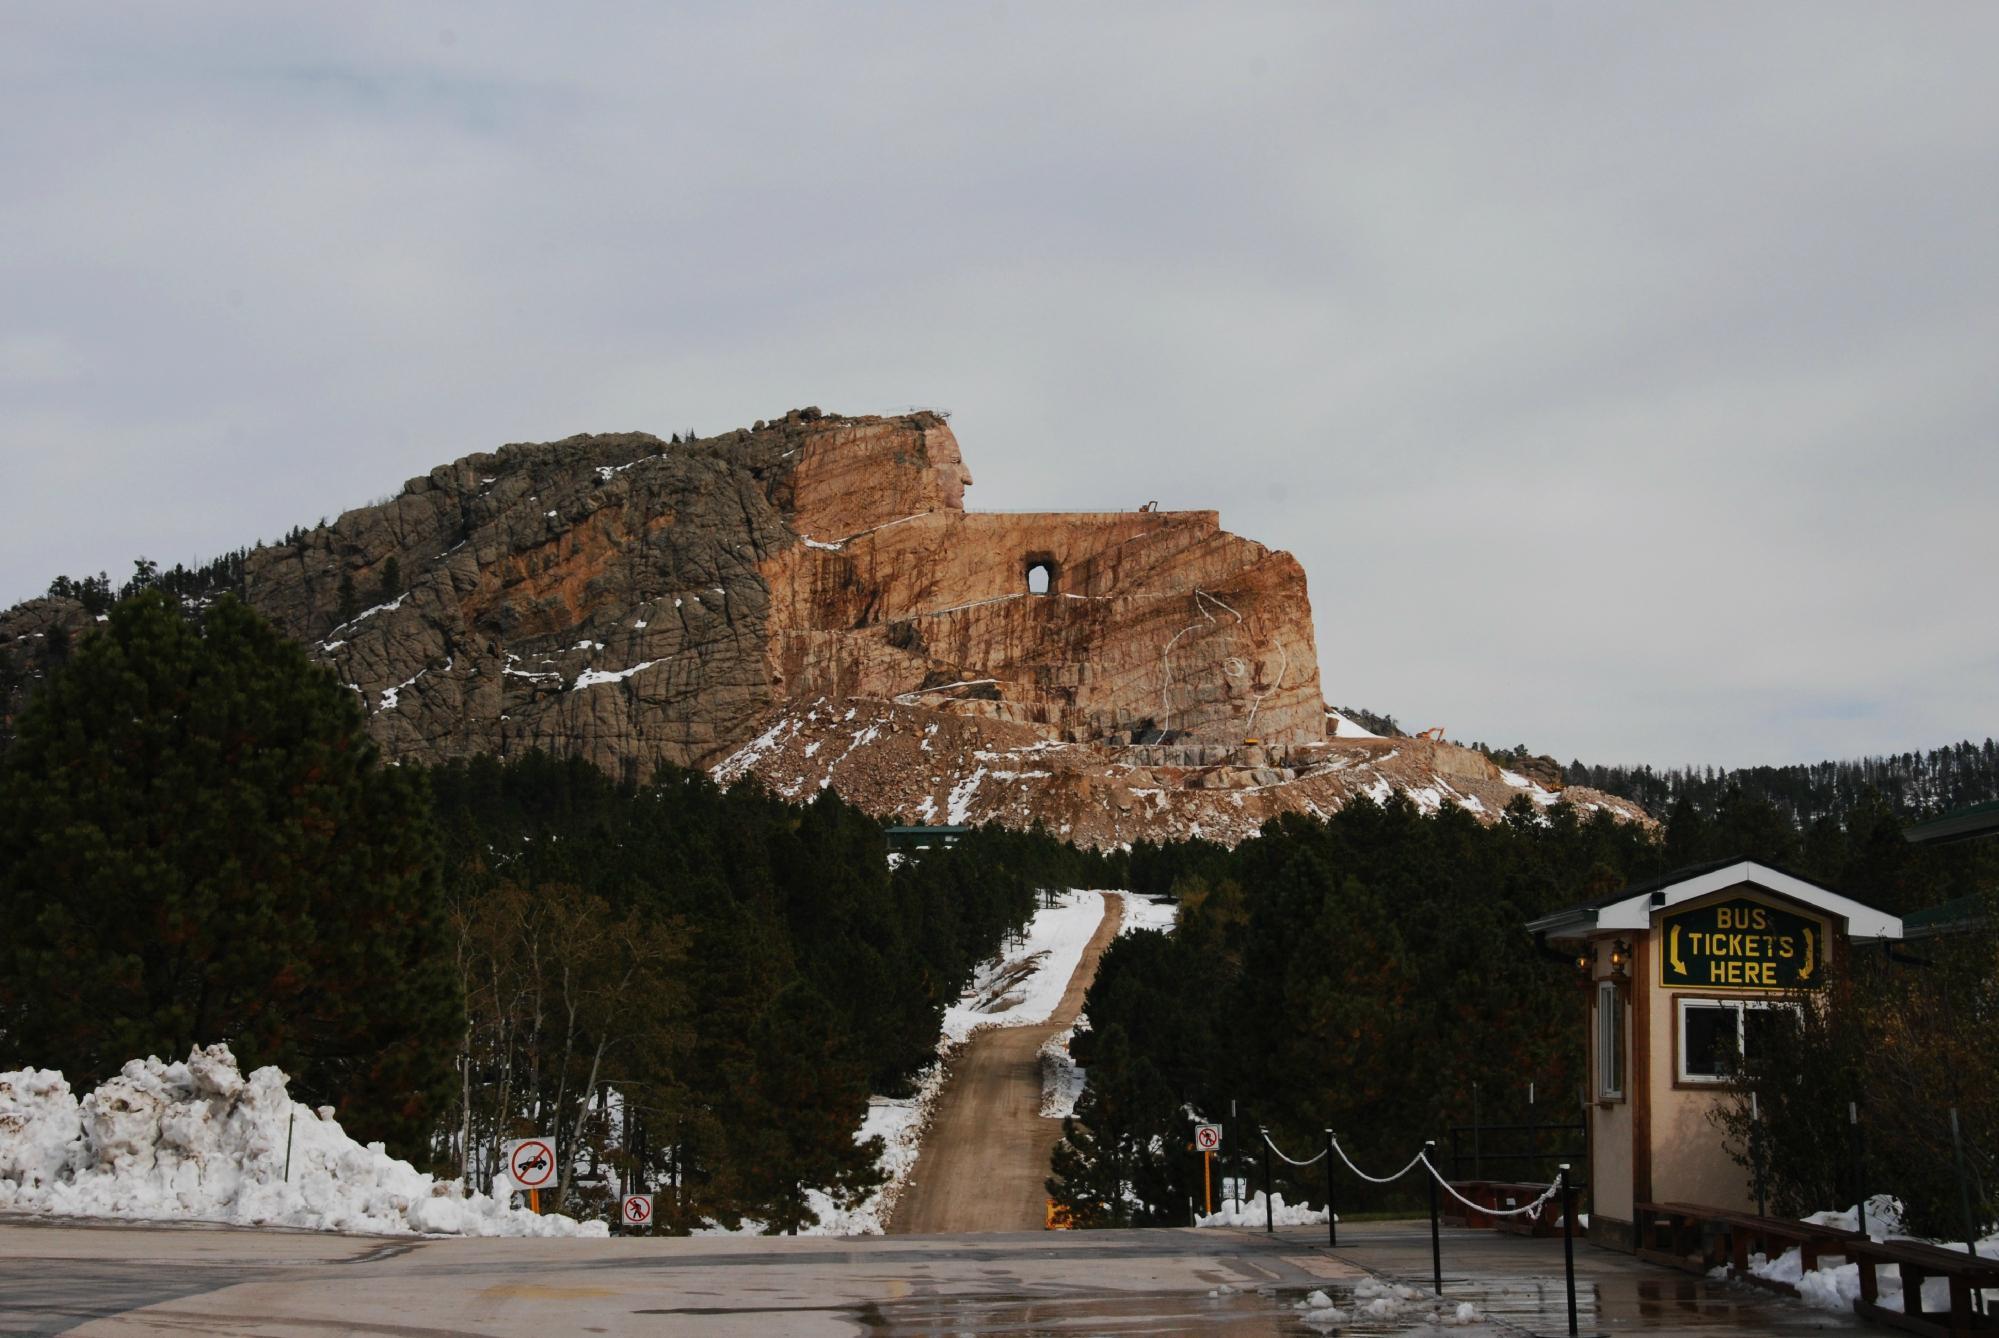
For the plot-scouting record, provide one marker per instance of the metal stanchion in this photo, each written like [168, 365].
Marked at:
[1436, 1235]
[1859, 1170]
[1569, 1243]
[1332, 1213]
[1269, 1191]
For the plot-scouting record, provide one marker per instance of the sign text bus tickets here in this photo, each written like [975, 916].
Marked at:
[1742, 944]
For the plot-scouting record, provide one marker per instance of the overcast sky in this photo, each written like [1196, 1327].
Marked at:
[1626, 377]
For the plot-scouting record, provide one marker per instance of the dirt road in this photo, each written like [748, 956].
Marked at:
[985, 1157]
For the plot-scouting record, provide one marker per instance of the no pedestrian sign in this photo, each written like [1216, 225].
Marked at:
[638, 1209]
[531, 1163]
[1207, 1137]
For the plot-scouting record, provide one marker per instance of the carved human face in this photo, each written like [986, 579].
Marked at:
[948, 466]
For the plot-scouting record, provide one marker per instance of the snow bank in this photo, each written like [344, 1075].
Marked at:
[1249, 1213]
[198, 1140]
[1024, 989]
[1062, 1077]
[1344, 728]
[1143, 912]
[1837, 1286]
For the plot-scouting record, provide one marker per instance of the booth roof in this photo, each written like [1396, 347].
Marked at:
[1965, 824]
[1633, 907]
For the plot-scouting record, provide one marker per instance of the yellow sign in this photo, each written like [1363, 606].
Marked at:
[1742, 944]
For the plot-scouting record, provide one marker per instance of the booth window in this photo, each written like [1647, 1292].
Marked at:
[1609, 1041]
[1714, 1031]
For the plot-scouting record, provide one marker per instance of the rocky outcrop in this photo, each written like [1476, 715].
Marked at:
[600, 595]
[926, 767]
[810, 601]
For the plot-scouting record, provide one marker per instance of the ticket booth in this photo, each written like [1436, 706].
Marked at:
[1680, 972]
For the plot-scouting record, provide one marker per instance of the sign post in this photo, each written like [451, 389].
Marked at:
[530, 1165]
[1208, 1137]
[637, 1210]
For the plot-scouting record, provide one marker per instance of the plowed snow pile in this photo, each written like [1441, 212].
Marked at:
[200, 1141]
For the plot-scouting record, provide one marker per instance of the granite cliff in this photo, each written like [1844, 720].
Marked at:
[809, 601]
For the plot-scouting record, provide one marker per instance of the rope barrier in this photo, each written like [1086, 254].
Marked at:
[1293, 1160]
[1532, 1211]
[1374, 1179]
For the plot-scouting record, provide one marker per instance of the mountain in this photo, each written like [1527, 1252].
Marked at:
[808, 601]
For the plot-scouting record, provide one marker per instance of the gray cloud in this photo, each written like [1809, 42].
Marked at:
[1620, 374]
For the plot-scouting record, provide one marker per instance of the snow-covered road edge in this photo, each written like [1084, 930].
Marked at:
[1062, 1078]
[1020, 988]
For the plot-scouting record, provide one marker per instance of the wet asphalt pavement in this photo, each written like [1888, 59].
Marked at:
[105, 1279]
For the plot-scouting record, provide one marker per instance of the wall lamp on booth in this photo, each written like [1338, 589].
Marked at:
[1620, 958]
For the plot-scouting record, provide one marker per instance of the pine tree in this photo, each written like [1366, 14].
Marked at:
[1108, 1169]
[198, 845]
[350, 602]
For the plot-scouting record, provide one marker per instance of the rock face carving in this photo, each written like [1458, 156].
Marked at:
[811, 602]
[641, 602]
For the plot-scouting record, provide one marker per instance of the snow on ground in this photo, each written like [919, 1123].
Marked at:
[899, 1122]
[1375, 1299]
[1836, 1287]
[1024, 987]
[1428, 799]
[590, 678]
[1020, 988]
[1249, 1213]
[960, 809]
[1062, 1078]
[1143, 912]
[738, 763]
[1344, 728]
[197, 1141]
[1534, 792]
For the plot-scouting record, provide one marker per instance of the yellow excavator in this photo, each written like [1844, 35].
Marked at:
[1435, 734]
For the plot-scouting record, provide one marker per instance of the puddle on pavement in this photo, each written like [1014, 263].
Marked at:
[1269, 1313]
[1509, 1307]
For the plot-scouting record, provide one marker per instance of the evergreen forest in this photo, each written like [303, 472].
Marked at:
[1914, 785]
[696, 990]
[742, 971]
[1370, 973]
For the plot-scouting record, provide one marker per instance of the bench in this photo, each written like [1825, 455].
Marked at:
[1504, 1196]
[1697, 1237]
[1919, 1261]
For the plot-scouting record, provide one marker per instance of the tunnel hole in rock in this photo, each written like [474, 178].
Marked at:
[1040, 573]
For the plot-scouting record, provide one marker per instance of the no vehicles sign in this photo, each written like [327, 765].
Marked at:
[531, 1163]
[638, 1210]
[1207, 1137]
